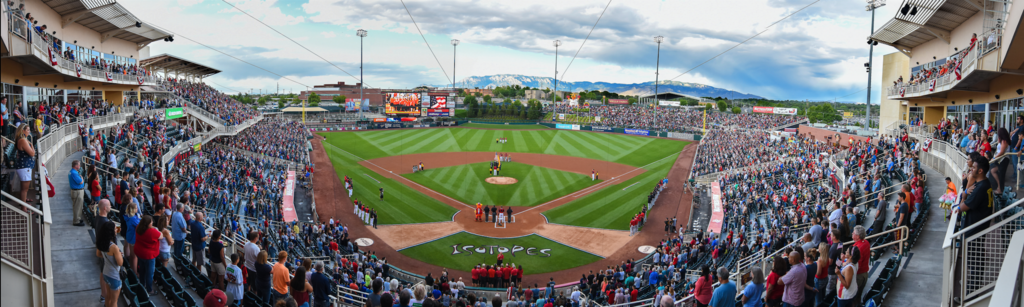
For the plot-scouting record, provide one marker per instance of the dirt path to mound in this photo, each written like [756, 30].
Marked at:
[615, 246]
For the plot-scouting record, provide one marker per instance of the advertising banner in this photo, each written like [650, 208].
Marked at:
[567, 127]
[561, 116]
[618, 101]
[602, 129]
[847, 114]
[438, 112]
[197, 147]
[597, 118]
[637, 131]
[393, 125]
[288, 208]
[717, 214]
[768, 110]
[174, 113]
[380, 120]
[353, 105]
[668, 103]
[785, 111]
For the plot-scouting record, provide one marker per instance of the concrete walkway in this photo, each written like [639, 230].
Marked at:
[76, 270]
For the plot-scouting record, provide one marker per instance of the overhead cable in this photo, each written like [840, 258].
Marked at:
[425, 41]
[585, 39]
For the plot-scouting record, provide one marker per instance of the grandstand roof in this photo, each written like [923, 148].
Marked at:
[933, 19]
[170, 62]
[108, 18]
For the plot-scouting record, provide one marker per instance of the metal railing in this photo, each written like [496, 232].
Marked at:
[942, 83]
[1009, 281]
[973, 256]
[41, 46]
[25, 245]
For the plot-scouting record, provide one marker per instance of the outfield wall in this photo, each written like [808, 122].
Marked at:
[630, 131]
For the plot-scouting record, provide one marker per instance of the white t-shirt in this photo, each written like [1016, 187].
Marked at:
[251, 251]
[233, 276]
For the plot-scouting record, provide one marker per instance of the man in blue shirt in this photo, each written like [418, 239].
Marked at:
[77, 192]
[725, 294]
[653, 278]
[178, 230]
[322, 287]
[198, 240]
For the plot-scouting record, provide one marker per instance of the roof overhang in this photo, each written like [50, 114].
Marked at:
[180, 65]
[932, 19]
[106, 17]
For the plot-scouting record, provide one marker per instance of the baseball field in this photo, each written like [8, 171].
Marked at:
[606, 208]
[553, 196]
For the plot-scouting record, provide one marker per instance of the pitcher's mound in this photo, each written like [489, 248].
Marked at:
[502, 180]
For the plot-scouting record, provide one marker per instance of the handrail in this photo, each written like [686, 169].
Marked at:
[1008, 281]
[981, 223]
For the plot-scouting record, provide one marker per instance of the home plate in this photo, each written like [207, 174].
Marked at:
[646, 249]
[364, 241]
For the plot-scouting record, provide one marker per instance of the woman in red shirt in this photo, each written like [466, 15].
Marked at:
[94, 187]
[147, 247]
[702, 291]
[779, 268]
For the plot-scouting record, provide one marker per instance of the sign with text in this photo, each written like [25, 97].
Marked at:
[602, 129]
[717, 213]
[288, 199]
[618, 101]
[637, 131]
[174, 113]
[668, 103]
[491, 249]
[567, 127]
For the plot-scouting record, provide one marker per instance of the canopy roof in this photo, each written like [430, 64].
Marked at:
[173, 63]
[931, 19]
[108, 18]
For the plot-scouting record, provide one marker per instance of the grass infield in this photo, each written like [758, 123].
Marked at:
[462, 251]
[536, 185]
[609, 208]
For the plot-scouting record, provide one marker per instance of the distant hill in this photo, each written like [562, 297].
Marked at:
[646, 88]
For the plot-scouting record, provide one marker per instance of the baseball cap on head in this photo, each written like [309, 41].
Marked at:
[215, 298]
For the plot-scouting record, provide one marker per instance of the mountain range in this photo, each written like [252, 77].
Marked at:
[645, 88]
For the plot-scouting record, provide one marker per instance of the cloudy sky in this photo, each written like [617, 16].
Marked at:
[817, 54]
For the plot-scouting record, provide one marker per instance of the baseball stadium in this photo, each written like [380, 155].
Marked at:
[149, 160]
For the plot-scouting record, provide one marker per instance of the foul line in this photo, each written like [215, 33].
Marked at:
[371, 177]
[630, 185]
[399, 176]
[596, 186]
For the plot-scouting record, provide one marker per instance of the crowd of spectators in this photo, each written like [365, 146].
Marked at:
[990, 142]
[282, 139]
[724, 149]
[673, 119]
[203, 96]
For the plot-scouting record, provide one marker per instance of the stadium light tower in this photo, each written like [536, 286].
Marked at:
[872, 5]
[555, 93]
[657, 69]
[455, 45]
[361, 33]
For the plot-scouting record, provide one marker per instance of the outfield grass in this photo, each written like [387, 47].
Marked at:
[536, 185]
[402, 204]
[558, 256]
[506, 127]
[619, 148]
[612, 207]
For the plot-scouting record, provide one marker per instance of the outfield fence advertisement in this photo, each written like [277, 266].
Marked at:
[717, 215]
[288, 198]
[567, 127]
[636, 131]
[602, 129]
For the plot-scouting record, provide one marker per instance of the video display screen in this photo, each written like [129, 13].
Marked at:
[402, 103]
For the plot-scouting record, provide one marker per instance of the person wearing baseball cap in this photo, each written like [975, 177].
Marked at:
[215, 298]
